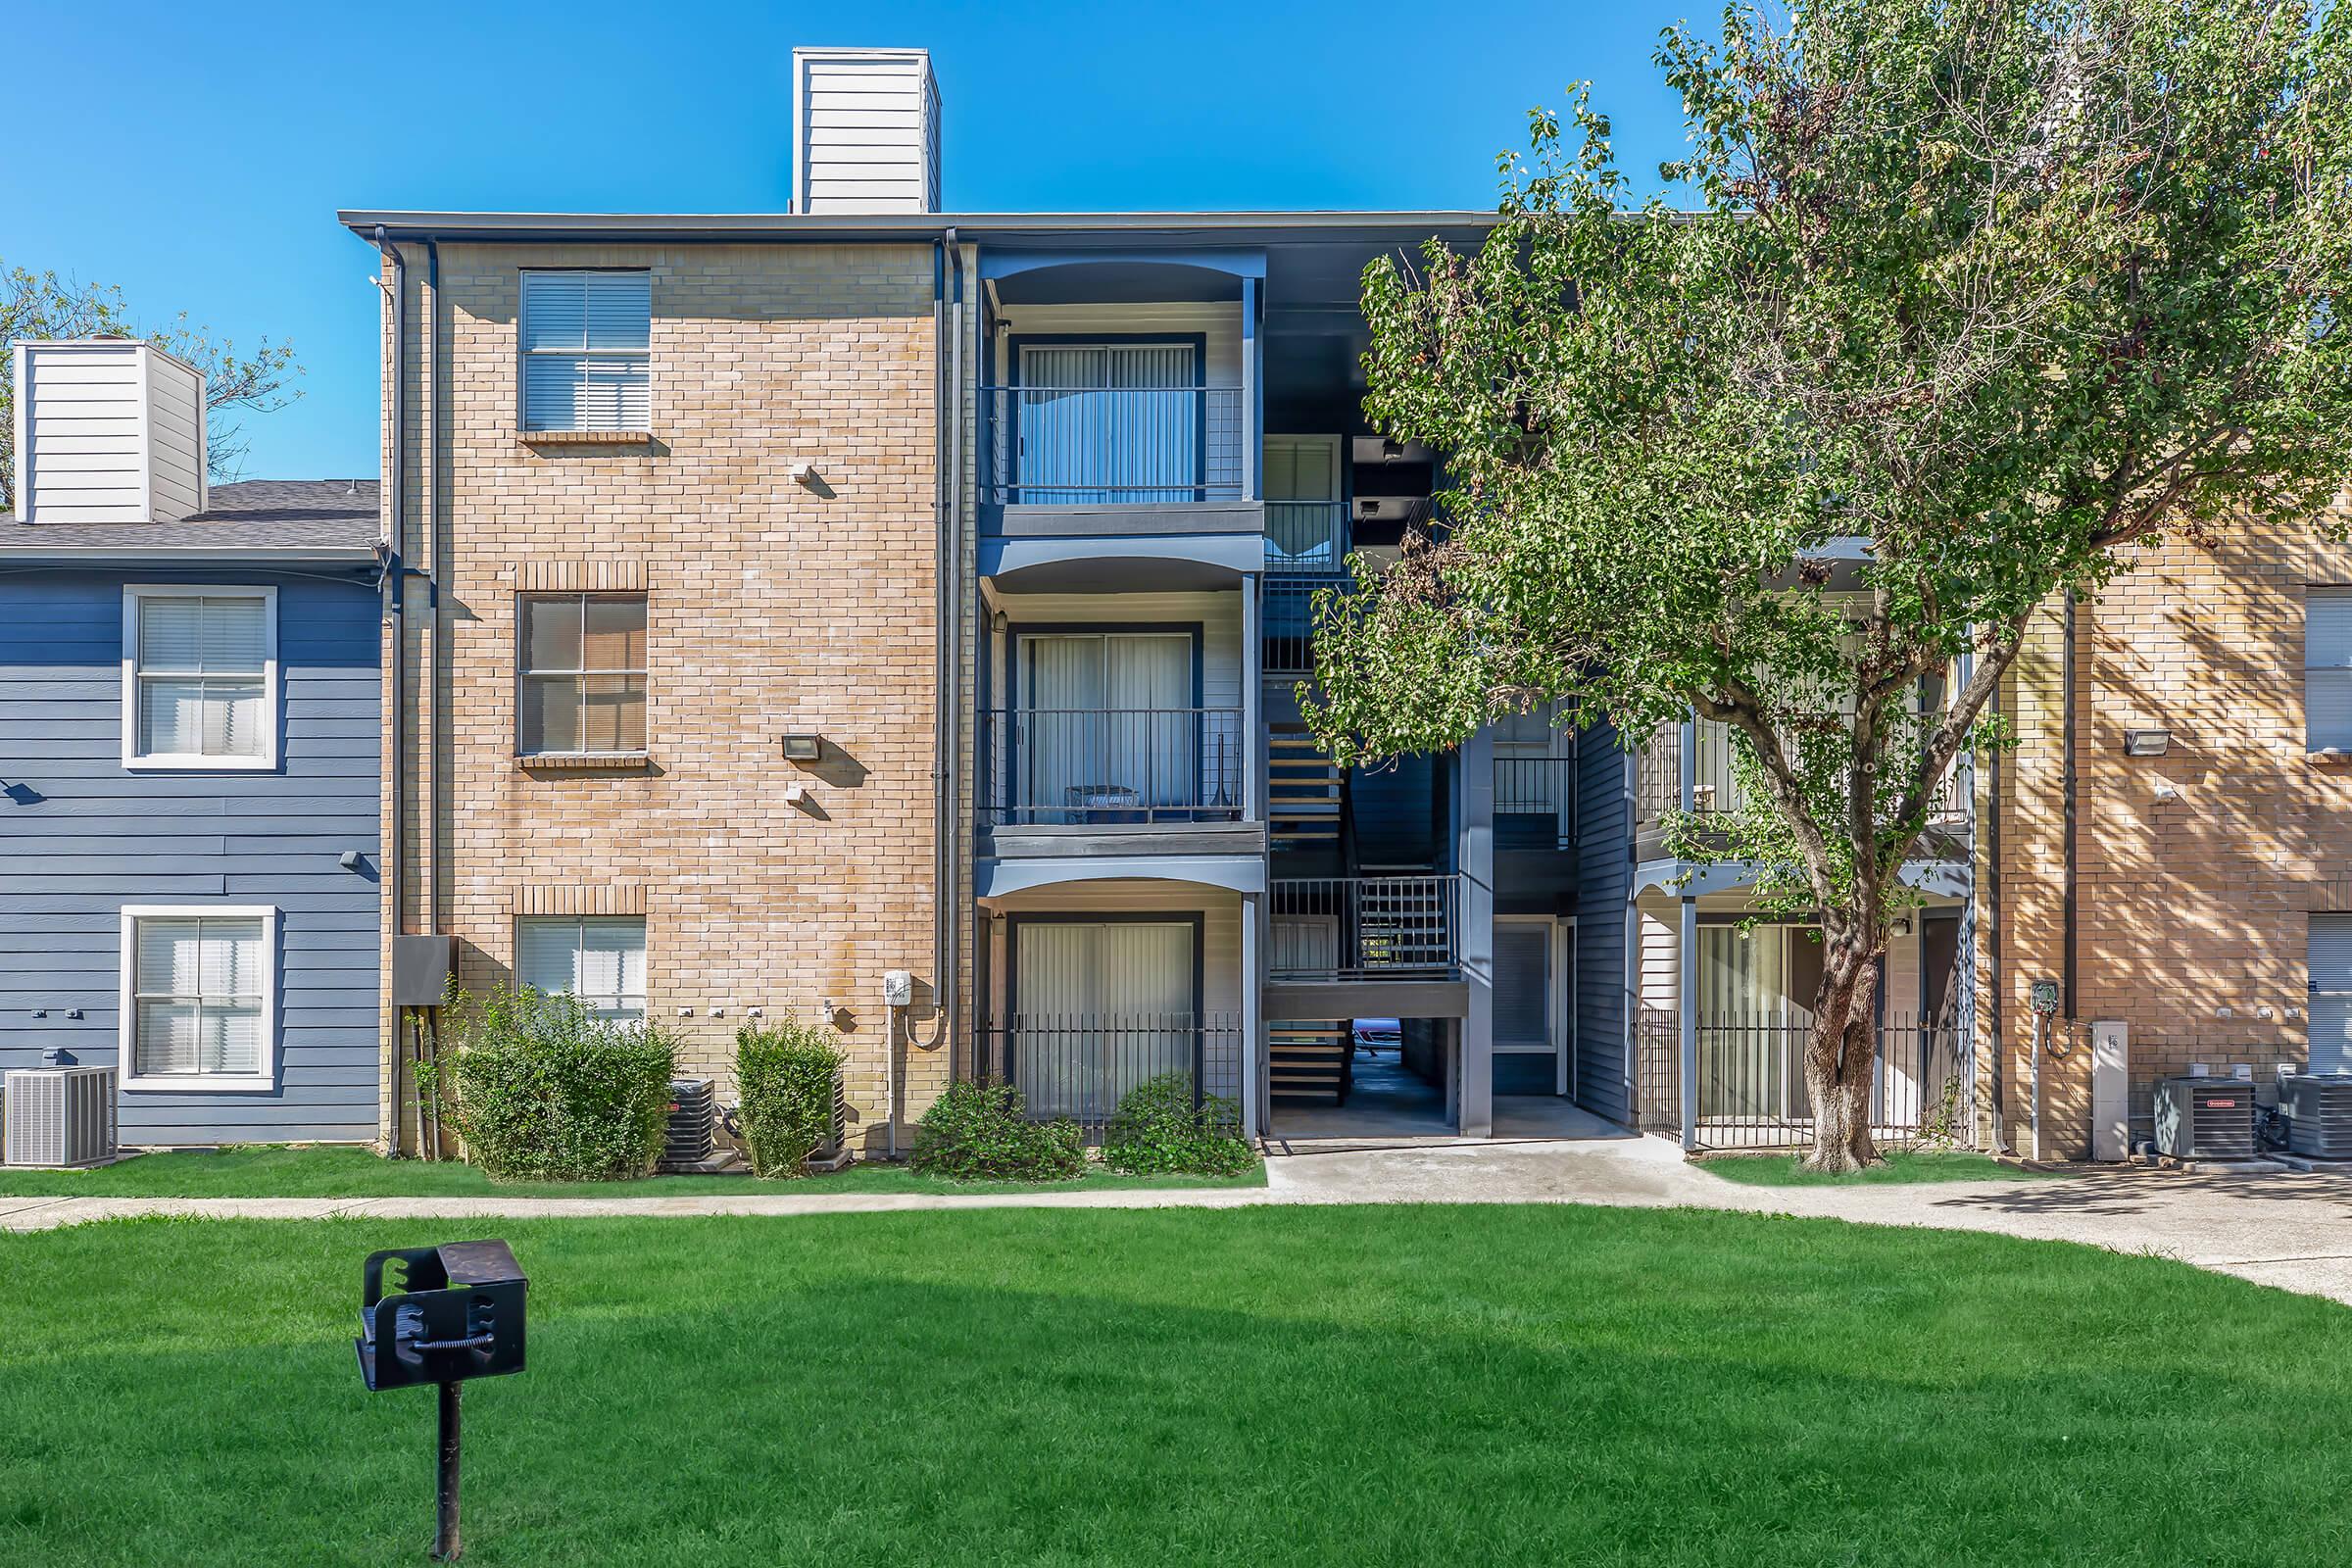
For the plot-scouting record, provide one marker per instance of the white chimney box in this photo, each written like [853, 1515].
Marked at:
[865, 131]
[108, 430]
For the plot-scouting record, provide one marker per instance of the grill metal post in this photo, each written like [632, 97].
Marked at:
[446, 1546]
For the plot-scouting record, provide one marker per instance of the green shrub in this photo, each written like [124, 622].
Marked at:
[1158, 1131]
[543, 1091]
[982, 1132]
[784, 1076]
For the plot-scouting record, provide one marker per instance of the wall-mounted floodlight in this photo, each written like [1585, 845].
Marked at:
[2146, 742]
[804, 748]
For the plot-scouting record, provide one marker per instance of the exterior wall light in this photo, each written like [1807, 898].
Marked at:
[2146, 742]
[804, 748]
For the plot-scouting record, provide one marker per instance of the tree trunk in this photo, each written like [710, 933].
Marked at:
[1840, 1059]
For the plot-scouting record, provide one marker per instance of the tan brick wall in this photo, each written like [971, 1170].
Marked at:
[2191, 911]
[772, 607]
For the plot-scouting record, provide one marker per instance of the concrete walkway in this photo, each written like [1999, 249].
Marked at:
[2285, 1229]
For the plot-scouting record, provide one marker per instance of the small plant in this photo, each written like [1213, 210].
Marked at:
[543, 1090]
[785, 1075]
[1157, 1130]
[982, 1132]
[1939, 1127]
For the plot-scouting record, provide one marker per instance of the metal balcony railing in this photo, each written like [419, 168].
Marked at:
[1104, 446]
[1287, 616]
[1538, 786]
[1365, 927]
[1097, 767]
[1715, 782]
[1307, 536]
[1751, 1080]
[1081, 1065]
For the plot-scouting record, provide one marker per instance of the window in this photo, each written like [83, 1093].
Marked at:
[586, 340]
[199, 677]
[199, 997]
[598, 958]
[2327, 669]
[583, 673]
[2328, 952]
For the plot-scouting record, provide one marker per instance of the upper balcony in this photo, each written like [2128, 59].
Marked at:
[1120, 402]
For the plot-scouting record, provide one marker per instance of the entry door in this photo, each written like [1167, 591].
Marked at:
[1530, 994]
[1107, 422]
[1100, 1007]
[1108, 728]
[1301, 480]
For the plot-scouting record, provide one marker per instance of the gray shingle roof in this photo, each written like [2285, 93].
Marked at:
[262, 514]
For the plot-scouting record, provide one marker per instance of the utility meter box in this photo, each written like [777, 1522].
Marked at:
[897, 988]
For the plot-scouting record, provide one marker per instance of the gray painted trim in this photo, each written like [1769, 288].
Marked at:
[1937, 879]
[1226, 555]
[903, 227]
[1235, 873]
[1366, 998]
[258, 555]
[1087, 840]
[1123, 520]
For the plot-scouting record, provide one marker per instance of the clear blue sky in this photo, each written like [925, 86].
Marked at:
[196, 154]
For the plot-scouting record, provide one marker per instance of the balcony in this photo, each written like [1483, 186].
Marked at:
[1751, 1079]
[1113, 767]
[1080, 1066]
[1715, 785]
[1307, 538]
[1535, 801]
[1104, 446]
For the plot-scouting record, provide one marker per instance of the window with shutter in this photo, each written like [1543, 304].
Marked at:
[598, 958]
[586, 346]
[200, 677]
[198, 990]
[2328, 668]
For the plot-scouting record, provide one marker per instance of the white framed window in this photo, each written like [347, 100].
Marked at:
[598, 957]
[586, 344]
[198, 676]
[580, 669]
[2327, 669]
[199, 999]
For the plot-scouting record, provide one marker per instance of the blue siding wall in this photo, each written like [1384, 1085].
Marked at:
[80, 837]
[1604, 873]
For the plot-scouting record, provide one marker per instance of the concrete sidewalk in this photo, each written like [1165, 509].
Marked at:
[2285, 1229]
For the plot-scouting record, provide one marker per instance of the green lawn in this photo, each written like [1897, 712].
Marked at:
[1901, 1165]
[277, 1170]
[1362, 1385]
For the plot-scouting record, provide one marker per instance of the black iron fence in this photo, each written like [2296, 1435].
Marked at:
[1108, 766]
[1365, 927]
[1081, 1065]
[1109, 445]
[1751, 1081]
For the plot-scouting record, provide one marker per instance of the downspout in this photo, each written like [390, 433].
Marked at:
[396, 570]
[2070, 785]
[427, 472]
[1998, 934]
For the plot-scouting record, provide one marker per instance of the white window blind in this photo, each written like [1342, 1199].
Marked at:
[203, 676]
[200, 992]
[586, 343]
[2328, 668]
[598, 958]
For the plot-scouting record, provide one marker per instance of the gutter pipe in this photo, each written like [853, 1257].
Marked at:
[396, 580]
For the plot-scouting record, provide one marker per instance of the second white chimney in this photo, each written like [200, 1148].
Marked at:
[109, 429]
[865, 131]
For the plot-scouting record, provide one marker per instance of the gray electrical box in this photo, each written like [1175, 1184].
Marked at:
[420, 970]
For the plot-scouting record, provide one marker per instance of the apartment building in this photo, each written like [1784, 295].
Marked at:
[781, 602]
[189, 764]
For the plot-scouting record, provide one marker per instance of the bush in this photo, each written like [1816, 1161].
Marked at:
[543, 1091]
[784, 1076]
[1158, 1131]
[982, 1132]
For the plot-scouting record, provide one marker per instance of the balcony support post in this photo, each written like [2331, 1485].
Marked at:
[1687, 999]
[1474, 930]
[1254, 739]
[1689, 765]
[1253, 421]
[1254, 1086]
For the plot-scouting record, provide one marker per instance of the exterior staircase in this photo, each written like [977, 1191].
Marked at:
[1303, 793]
[1307, 1062]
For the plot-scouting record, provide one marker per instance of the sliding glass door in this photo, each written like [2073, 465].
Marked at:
[1109, 725]
[1104, 423]
[1098, 1007]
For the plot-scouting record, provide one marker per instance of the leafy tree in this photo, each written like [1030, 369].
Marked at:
[42, 305]
[2006, 289]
